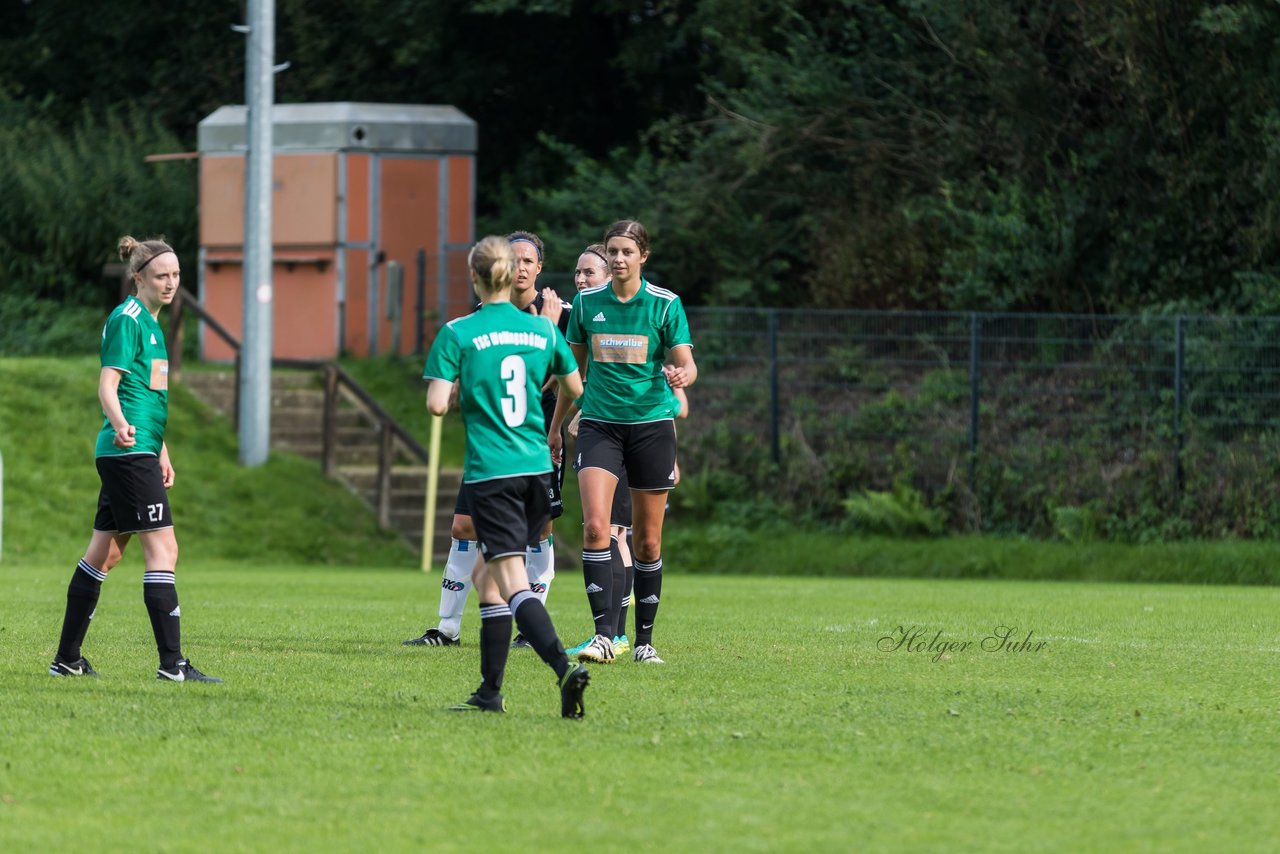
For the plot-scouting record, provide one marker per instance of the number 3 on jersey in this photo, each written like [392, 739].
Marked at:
[515, 403]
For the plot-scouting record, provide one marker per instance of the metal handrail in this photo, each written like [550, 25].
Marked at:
[336, 380]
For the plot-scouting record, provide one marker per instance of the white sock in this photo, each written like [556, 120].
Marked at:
[540, 563]
[456, 585]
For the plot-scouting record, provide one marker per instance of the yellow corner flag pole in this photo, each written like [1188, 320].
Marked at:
[429, 513]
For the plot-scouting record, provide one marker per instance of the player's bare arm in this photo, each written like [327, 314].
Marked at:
[109, 397]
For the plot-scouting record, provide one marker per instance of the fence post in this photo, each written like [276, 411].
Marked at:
[1179, 368]
[442, 290]
[175, 337]
[774, 406]
[420, 305]
[975, 369]
[384, 476]
[235, 398]
[329, 449]
[395, 303]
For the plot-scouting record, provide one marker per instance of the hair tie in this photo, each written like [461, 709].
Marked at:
[152, 258]
[516, 240]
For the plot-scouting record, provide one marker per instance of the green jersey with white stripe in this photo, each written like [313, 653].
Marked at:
[133, 343]
[501, 356]
[627, 343]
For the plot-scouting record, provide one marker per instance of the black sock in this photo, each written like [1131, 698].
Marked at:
[495, 643]
[648, 592]
[619, 599]
[161, 598]
[629, 580]
[82, 601]
[597, 574]
[535, 624]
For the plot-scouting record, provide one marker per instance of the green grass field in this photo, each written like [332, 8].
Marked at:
[804, 708]
[783, 721]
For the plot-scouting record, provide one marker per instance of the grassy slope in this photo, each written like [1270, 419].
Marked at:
[284, 510]
[693, 544]
[1142, 725]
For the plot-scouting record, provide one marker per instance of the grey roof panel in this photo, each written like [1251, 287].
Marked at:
[346, 126]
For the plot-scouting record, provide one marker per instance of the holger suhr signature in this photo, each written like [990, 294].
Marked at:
[1008, 639]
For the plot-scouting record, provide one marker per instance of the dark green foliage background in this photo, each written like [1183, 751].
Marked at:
[954, 156]
[957, 155]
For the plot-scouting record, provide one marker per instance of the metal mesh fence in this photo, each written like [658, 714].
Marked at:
[1163, 425]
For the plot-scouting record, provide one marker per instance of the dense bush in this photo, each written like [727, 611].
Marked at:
[991, 156]
[1080, 432]
[42, 327]
[68, 197]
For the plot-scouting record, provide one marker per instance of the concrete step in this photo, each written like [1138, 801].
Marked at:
[347, 437]
[402, 478]
[412, 504]
[307, 416]
[297, 425]
[407, 503]
[344, 456]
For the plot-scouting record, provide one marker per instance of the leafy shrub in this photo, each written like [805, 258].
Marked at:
[69, 198]
[899, 513]
[33, 326]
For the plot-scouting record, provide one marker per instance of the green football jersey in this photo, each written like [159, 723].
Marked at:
[627, 344]
[501, 356]
[133, 343]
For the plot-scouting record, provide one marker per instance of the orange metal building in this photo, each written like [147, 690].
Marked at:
[356, 186]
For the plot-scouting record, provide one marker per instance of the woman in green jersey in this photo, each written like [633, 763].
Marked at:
[622, 333]
[455, 586]
[134, 468]
[499, 357]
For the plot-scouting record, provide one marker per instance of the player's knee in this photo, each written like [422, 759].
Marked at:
[595, 532]
[648, 548]
[462, 528]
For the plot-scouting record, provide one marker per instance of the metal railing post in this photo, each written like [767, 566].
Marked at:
[395, 304]
[420, 304]
[384, 476]
[442, 290]
[235, 400]
[175, 337]
[975, 370]
[329, 452]
[774, 404]
[1179, 369]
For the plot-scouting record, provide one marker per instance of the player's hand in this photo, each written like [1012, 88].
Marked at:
[551, 305]
[677, 377]
[573, 425]
[556, 443]
[166, 472]
[124, 437]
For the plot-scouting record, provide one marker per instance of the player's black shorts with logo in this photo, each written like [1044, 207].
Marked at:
[555, 483]
[509, 513]
[132, 497]
[646, 452]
